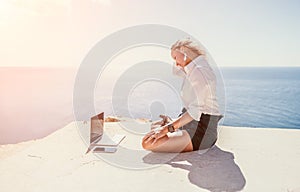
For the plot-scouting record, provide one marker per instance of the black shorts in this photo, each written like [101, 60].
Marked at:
[203, 133]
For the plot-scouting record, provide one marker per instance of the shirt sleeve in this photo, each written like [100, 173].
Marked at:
[200, 88]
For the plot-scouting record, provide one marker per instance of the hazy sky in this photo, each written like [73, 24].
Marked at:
[236, 32]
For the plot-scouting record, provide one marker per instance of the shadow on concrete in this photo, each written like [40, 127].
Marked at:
[215, 170]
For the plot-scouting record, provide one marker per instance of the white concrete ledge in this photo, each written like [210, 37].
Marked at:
[244, 159]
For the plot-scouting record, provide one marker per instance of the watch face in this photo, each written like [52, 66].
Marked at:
[171, 128]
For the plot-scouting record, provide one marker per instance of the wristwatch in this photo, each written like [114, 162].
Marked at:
[171, 128]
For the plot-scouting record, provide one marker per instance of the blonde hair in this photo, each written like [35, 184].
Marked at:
[188, 46]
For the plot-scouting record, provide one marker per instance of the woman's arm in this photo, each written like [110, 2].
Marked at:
[160, 132]
[182, 120]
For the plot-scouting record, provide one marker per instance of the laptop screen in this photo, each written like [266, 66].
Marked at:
[96, 127]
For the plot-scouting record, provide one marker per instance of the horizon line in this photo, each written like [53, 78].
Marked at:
[222, 66]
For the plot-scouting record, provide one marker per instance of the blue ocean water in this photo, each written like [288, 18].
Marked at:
[262, 96]
[254, 96]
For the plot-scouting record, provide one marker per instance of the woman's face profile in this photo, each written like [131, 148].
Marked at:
[178, 56]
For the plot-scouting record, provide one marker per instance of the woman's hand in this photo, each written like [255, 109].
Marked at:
[165, 120]
[156, 134]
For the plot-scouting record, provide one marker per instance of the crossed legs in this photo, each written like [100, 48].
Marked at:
[170, 144]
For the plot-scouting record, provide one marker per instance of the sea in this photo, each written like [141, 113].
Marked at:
[267, 97]
[35, 101]
[262, 96]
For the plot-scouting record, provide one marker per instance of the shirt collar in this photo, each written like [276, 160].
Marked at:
[198, 61]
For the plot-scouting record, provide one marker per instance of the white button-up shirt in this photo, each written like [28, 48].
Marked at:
[198, 91]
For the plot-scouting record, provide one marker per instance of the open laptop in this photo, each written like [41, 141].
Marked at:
[99, 141]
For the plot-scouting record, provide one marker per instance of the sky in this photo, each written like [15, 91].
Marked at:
[59, 33]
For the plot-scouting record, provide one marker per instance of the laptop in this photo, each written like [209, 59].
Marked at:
[99, 141]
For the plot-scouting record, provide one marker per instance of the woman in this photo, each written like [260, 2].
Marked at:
[197, 124]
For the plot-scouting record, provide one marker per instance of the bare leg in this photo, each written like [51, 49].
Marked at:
[173, 144]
